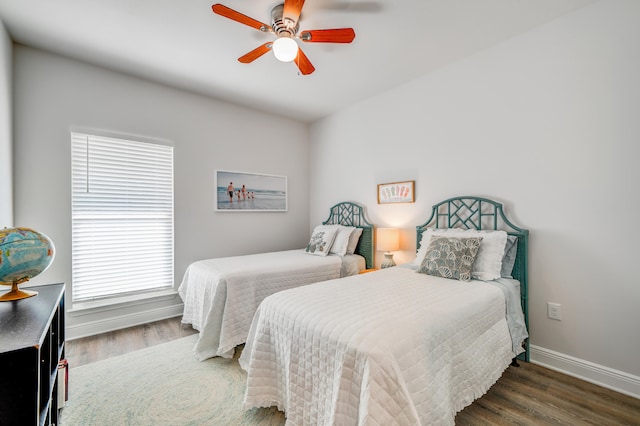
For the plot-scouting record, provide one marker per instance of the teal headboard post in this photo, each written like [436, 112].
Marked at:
[468, 212]
[352, 214]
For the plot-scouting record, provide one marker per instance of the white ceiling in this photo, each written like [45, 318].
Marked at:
[182, 43]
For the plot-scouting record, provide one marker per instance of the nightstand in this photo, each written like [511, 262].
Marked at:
[364, 271]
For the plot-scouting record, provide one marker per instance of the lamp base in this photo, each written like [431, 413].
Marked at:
[16, 294]
[388, 261]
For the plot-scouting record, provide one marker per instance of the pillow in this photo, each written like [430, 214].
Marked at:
[450, 257]
[488, 265]
[353, 240]
[341, 242]
[509, 257]
[321, 240]
[424, 245]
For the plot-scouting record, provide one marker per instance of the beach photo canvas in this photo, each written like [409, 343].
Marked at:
[242, 191]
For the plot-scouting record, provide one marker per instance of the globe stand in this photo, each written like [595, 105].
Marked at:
[15, 293]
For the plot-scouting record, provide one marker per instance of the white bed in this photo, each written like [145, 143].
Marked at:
[389, 347]
[221, 295]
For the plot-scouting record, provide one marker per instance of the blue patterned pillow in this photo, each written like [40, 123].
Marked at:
[321, 240]
[449, 257]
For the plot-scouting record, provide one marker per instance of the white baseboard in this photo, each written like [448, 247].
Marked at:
[91, 328]
[600, 375]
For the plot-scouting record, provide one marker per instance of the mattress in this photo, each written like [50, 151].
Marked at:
[388, 347]
[221, 295]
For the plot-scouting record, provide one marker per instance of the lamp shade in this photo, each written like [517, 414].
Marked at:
[388, 239]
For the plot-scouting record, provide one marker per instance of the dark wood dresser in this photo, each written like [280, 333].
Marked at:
[31, 346]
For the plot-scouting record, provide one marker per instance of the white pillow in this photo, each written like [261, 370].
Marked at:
[321, 240]
[341, 242]
[353, 240]
[488, 263]
[424, 245]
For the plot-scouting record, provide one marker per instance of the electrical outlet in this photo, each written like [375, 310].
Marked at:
[554, 311]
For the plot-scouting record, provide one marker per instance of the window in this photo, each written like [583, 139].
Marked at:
[122, 216]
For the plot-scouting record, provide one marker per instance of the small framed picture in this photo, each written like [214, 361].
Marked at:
[396, 192]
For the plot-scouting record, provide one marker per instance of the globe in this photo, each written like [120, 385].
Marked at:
[24, 253]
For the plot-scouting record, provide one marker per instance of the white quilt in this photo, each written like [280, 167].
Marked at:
[392, 347]
[221, 295]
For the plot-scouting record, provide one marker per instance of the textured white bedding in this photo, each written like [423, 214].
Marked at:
[221, 295]
[392, 347]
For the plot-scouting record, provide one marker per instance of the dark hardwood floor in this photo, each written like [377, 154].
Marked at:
[525, 395]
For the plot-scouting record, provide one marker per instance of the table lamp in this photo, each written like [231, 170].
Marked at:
[388, 240]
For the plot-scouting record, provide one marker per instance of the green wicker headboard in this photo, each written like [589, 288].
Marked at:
[352, 214]
[470, 212]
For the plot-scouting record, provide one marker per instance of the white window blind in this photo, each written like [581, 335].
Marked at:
[122, 216]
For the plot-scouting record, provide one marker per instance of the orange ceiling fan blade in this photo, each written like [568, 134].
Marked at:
[303, 63]
[255, 53]
[337, 35]
[292, 9]
[227, 12]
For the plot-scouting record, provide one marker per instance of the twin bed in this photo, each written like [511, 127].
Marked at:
[408, 345]
[221, 295]
[403, 345]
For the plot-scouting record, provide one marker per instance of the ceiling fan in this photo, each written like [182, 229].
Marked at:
[285, 25]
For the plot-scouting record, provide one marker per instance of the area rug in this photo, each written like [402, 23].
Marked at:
[161, 385]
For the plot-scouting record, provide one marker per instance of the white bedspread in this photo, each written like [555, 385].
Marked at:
[221, 295]
[392, 347]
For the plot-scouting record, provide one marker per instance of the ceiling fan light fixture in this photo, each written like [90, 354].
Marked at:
[285, 49]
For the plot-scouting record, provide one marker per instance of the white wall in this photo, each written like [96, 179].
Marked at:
[54, 94]
[547, 123]
[6, 169]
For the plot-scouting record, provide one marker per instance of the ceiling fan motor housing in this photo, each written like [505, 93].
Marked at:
[283, 26]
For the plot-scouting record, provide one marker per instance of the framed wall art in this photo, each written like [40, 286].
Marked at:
[396, 192]
[242, 191]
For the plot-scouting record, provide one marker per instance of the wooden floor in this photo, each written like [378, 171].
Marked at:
[95, 348]
[525, 395]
